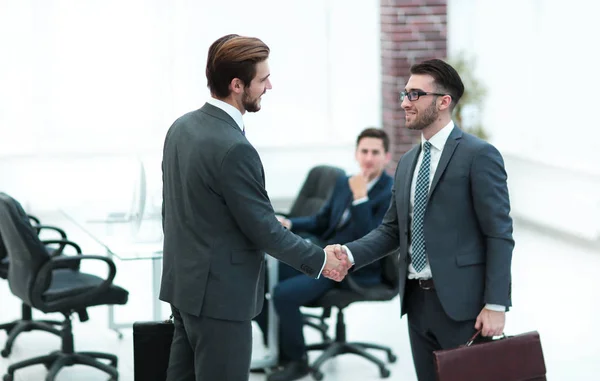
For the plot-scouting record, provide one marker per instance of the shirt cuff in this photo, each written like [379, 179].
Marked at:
[495, 307]
[322, 267]
[360, 200]
[349, 253]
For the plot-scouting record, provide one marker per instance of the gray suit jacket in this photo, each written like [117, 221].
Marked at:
[218, 221]
[467, 227]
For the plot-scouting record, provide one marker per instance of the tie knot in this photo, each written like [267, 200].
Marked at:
[427, 146]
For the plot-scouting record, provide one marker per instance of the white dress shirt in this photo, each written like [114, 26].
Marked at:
[233, 112]
[438, 141]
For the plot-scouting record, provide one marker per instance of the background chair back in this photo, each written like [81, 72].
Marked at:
[316, 190]
[26, 252]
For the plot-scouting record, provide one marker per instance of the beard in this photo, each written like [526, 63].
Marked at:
[249, 104]
[429, 115]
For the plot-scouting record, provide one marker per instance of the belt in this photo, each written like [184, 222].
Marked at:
[424, 284]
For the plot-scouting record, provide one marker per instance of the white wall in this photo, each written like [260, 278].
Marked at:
[84, 79]
[537, 59]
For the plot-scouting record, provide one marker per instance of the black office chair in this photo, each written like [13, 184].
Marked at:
[315, 191]
[37, 279]
[351, 292]
[26, 324]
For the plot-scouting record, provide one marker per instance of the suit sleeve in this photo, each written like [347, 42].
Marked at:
[318, 223]
[242, 186]
[381, 241]
[492, 208]
[366, 216]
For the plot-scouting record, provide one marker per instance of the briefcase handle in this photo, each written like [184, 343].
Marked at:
[472, 339]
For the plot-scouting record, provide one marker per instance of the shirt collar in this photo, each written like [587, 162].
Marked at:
[372, 183]
[438, 141]
[233, 112]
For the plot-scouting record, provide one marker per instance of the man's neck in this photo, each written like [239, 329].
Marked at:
[232, 101]
[374, 176]
[436, 126]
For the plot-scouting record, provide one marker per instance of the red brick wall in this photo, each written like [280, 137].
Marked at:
[411, 31]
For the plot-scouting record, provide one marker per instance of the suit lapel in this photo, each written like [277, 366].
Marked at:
[447, 153]
[341, 208]
[407, 177]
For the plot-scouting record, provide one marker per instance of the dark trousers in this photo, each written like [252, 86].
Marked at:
[206, 349]
[430, 329]
[293, 291]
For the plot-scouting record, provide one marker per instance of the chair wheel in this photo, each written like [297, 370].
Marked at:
[5, 353]
[7, 377]
[385, 373]
[317, 375]
[392, 358]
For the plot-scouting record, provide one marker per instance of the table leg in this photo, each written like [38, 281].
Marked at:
[156, 275]
[271, 358]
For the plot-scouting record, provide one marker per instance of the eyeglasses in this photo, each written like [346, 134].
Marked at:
[415, 94]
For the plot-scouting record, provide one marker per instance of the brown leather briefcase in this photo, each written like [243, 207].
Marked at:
[511, 358]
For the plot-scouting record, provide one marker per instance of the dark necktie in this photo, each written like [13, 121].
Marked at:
[418, 257]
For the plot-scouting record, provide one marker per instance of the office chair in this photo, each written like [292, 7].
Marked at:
[315, 191]
[342, 297]
[26, 324]
[37, 278]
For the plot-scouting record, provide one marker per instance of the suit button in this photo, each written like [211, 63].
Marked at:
[306, 269]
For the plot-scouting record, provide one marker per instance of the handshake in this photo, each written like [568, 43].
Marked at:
[338, 263]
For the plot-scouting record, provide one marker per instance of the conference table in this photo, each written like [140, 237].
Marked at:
[128, 238]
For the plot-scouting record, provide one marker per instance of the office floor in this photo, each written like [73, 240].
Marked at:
[555, 291]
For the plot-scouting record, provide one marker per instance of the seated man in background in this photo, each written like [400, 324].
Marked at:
[356, 206]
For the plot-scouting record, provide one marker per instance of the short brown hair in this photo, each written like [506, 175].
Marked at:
[445, 77]
[378, 133]
[233, 56]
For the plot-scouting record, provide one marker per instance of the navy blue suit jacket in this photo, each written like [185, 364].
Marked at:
[364, 217]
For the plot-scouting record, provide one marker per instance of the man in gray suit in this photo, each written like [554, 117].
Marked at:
[449, 219]
[218, 222]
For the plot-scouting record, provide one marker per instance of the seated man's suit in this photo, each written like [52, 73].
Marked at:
[340, 220]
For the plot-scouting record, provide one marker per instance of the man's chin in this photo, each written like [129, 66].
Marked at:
[253, 108]
[414, 127]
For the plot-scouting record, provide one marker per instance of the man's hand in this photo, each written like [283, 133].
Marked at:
[358, 185]
[491, 323]
[285, 222]
[337, 264]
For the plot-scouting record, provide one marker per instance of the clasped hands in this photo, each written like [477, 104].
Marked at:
[338, 264]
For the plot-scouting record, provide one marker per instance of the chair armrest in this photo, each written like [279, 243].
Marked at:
[39, 228]
[34, 219]
[57, 262]
[62, 244]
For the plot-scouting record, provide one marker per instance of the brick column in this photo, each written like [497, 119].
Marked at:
[411, 31]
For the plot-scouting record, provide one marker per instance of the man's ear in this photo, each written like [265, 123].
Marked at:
[236, 86]
[388, 157]
[445, 103]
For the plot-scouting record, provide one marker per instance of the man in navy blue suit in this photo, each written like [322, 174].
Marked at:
[356, 206]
